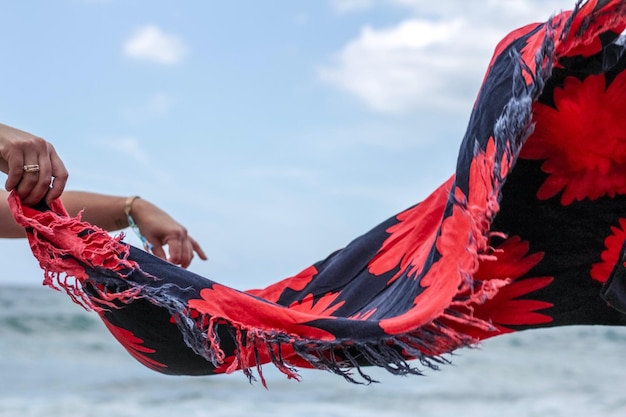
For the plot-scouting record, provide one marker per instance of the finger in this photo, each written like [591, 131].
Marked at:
[60, 175]
[187, 254]
[54, 191]
[31, 195]
[175, 249]
[38, 191]
[157, 250]
[15, 170]
[198, 249]
[29, 187]
[43, 178]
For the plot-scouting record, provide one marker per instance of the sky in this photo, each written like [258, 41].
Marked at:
[275, 132]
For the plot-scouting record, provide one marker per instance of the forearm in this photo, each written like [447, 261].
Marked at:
[8, 227]
[109, 213]
[104, 211]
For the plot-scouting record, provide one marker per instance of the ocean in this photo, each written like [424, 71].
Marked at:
[58, 360]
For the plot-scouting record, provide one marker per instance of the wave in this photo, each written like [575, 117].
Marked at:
[34, 310]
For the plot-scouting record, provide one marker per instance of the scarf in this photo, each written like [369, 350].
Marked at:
[528, 232]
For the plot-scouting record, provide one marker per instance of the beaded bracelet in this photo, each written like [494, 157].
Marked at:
[128, 206]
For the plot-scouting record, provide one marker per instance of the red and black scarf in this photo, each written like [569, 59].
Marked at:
[529, 232]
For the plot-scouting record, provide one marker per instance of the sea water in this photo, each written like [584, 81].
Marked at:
[58, 360]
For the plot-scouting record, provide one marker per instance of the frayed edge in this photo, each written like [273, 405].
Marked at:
[347, 358]
[93, 246]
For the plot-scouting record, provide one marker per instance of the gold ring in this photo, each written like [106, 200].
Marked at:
[31, 168]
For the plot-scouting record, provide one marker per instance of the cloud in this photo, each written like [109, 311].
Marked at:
[505, 15]
[433, 59]
[415, 64]
[150, 43]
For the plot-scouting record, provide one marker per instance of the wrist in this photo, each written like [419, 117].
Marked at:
[130, 203]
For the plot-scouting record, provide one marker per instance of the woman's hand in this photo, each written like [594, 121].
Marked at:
[160, 229]
[34, 169]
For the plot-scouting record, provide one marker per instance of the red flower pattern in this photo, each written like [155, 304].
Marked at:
[296, 283]
[417, 224]
[462, 239]
[529, 51]
[510, 261]
[134, 346]
[260, 315]
[582, 140]
[610, 256]
[262, 320]
[323, 306]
